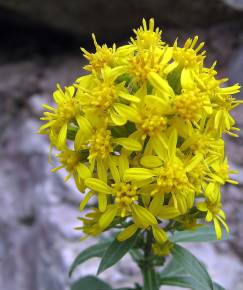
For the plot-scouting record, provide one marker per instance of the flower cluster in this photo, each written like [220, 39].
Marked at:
[142, 134]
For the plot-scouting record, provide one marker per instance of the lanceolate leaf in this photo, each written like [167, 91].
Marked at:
[181, 281]
[216, 286]
[174, 274]
[124, 289]
[202, 234]
[90, 283]
[172, 269]
[91, 252]
[192, 267]
[186, 282]
[115, 252]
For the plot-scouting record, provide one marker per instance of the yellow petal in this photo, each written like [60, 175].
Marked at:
[150, 161]
[160, 84]
[182, 204]
[168, 212]
[159, 147]
[117, 119]
[129, 97]
[79, 140]
[209, 217]
[202, 206]
[143, 216]
[123, 164]
[187, 80]
[137, 174]
[114, 171]
[217, 120]
[172, 143]
[84, 125]
[83, 171]
[62, 136]
[129, 144]
[108, 216]
[156, 204]
[98, 185]
[159, 234]
[127, 233]
[127, 112]
[101, 170]
[194, 162]
[217, 228]
[102, 201]
[85, 200]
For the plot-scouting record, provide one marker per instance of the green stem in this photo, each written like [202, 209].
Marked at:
[148, 271]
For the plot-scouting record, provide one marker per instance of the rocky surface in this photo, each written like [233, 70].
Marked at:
[116, 17]
[38, 210]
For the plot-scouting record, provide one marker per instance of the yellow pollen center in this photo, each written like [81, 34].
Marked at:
[189, 105]
[70, 159]
[100, 144]
[68, 109]
[125, 194]
[172, 177]
[143, 63]
[103, 97]
[104, 55]
[187, 58]
[151, 123]
[146, 39]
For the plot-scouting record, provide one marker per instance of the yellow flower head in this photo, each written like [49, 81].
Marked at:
[142, 136]
[147, 36]
[103, 56]
[67, 109]
[189, 56]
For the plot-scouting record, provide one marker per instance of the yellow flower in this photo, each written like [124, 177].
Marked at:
[90, 223]
[103, 97]
[58, 119]
[220, 172]
[214, 213]
[188, 56]
[99, 144]
[147, 37]
[103, 56]
[72, 162]
[162, 250]
[143, 62]
[141, 134]
[170, 173]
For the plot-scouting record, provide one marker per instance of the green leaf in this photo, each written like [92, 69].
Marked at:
[192, 267]
[202, 234]
[91, 252]
[174, 79]
[182, 281]
[186, 282]
[216, 286]
[115, 252]
[172, 269]
[124, 289]
[150, 279]
[136, 255]
[91, 283]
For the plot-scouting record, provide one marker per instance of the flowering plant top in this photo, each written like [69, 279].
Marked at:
[142, 131]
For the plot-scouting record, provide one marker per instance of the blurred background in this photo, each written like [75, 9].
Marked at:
[39, 47]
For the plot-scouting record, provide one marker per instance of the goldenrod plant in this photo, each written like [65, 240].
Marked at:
[142, 136]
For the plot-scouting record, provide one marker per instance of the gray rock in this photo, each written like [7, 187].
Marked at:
[235, 66]
[237, 4]
[116, 18]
